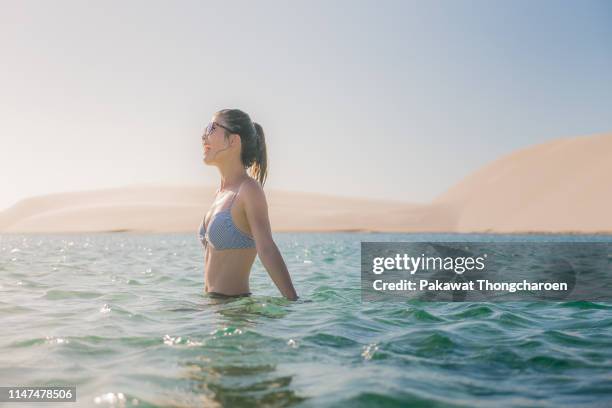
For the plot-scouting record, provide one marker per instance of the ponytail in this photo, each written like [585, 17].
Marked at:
[259, 168]
[253, 154]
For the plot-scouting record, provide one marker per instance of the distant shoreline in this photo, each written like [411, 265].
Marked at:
[560, 187]
[348, 231]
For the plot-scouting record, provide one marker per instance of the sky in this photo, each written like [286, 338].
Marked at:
[382, 99]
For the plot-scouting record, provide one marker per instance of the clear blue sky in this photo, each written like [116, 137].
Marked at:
[387, 99]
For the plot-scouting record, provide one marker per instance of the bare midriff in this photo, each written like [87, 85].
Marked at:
[226, 271]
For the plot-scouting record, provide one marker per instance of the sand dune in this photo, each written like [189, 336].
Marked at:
[558, 186]
[180, 209]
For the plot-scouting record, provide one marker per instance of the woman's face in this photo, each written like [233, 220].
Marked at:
[215, 142]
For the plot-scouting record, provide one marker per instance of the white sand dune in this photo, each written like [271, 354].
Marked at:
[180, 209]
[559, 186]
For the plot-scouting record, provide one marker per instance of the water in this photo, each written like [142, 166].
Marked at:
[123, 317]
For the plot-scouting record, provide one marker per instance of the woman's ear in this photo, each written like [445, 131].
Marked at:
[235, 139]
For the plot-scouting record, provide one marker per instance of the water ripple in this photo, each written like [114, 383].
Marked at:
[124, 316]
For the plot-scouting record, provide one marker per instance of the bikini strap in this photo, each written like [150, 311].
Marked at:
[236, 194]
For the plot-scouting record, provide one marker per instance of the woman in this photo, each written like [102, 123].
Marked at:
[236, 228]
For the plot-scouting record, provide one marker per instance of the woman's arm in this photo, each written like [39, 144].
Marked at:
[256, 209]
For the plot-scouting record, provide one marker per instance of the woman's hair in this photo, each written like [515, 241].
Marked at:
[253, 155]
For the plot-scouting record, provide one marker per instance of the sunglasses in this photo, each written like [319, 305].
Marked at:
[211, 128]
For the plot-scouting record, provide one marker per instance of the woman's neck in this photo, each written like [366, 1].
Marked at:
[231, 176]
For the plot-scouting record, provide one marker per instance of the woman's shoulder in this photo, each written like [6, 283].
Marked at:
[251, 190]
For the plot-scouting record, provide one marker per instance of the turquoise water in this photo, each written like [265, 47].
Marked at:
[123, 317]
